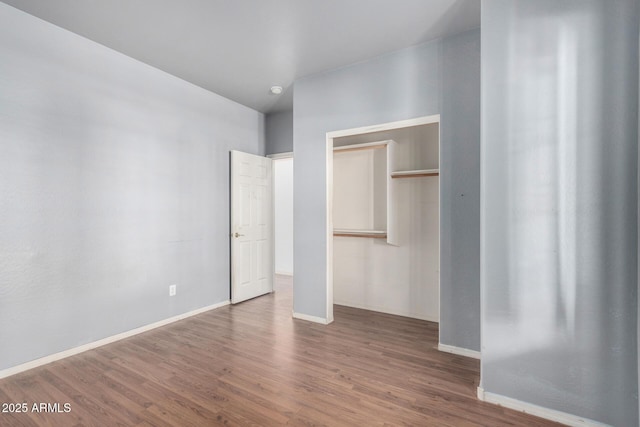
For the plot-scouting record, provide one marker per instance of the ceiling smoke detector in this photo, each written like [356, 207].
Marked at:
[276, 90]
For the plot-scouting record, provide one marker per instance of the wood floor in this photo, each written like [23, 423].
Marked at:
[252, 364]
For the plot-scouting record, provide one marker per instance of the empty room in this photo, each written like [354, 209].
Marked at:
[319, 212]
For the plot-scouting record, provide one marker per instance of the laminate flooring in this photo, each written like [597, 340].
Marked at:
[252, 364]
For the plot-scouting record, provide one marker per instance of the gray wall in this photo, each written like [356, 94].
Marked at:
[559, 208]
[114, 185]
[442, 77]
[279, 132]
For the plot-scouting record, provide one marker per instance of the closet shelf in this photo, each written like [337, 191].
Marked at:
[375, 234]
[358, 147]
[415, 173]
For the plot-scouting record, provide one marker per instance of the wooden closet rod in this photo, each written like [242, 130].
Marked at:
[365, 146]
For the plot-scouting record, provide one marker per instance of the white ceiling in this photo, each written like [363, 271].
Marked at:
[240, 48]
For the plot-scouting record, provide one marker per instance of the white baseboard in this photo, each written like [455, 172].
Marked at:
[388, 311]
[459, 351]
[308, 318]
[538, 411]
[108, 340]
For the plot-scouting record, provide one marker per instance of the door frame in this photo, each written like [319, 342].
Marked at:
[330, 136]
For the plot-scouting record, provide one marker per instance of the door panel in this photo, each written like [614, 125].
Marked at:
[245, 205]
[252, 245]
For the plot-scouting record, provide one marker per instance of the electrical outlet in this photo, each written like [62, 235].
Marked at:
[172, 290]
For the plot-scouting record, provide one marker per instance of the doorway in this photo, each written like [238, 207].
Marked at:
[390, 265]
[283, 222]
[283, 213]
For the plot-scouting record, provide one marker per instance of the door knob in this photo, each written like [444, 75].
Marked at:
[238, 234]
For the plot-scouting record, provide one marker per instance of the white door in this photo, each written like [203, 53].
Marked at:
[252, 246]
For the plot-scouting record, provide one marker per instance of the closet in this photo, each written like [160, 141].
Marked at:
[386, 221]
